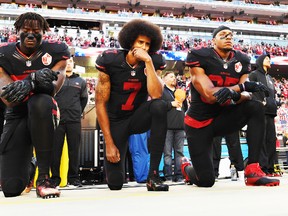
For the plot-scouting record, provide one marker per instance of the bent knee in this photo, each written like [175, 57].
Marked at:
[158, 107]
[206, 179]
[13, 187]
[254, 107]
[115, 180]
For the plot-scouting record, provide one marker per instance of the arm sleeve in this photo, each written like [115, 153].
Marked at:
[84, 95]
[159, 61]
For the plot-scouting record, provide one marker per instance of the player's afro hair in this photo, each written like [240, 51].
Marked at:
[136, 27]
[19, 23]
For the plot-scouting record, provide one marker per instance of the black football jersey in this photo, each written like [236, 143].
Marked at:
[128, 85]
[221, 73]
[18, 65]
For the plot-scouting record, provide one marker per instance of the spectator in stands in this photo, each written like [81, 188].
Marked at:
[268, 150]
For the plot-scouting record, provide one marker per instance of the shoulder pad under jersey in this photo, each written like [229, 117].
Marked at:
[6, 48]
[6, 51]
[204, 52]
[158, 61]
[58, 46]
[112, 51]
[109, 55]
[240, 56]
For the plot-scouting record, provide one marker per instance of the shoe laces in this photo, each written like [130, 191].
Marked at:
[47, 183]
[258, 171]
[156, 178]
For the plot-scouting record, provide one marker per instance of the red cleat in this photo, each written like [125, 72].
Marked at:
[254, 176]
[184, 163]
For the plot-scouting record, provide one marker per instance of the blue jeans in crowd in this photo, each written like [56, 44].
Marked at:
[174, 142]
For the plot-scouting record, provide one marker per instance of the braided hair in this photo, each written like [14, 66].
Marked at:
[19, 23]
[131, 30]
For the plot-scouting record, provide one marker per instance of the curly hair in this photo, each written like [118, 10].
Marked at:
[19, 23]
[131, 30]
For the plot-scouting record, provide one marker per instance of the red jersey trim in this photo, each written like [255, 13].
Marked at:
[195, 123]
[195, 64]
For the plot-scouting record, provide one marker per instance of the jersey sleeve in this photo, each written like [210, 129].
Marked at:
[104, 59]
[195, 58]
[159, 61]
[100, 62]
[5, 54]
[60, 50]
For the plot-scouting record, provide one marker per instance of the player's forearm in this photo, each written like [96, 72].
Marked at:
[102, 118]
[154, 84]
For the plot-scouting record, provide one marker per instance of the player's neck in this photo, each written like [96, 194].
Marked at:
[224, 54]
[27, 52]
[131, 60]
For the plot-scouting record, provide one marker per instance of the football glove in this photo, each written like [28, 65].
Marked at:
[17, 91]
[43, 77]
[251, 86]
[224, 94]
[43, 80]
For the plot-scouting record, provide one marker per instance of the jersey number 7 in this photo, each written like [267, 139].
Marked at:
[136, 86]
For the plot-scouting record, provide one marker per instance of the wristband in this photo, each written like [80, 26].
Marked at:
[241, 87]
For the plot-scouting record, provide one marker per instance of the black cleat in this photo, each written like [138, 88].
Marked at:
[75, 183]
[47, 189]
[154, 183]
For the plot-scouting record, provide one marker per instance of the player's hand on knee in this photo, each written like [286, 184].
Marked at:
[44, 76]
[17, 91]
[112, 154]
[251, 86]
[225, 94]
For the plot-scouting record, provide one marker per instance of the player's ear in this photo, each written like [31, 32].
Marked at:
[213, 41]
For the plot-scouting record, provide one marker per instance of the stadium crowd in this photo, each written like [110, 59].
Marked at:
[172, 42]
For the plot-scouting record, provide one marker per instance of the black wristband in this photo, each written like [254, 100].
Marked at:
[241, 87]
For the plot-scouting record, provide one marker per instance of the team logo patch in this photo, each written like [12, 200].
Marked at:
[46, 59]
[133, 73]
[238, 67]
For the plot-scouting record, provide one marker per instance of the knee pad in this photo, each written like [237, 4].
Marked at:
[13, 187]
[115, 180]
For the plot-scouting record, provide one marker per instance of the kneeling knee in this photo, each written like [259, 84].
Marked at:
[13, 187]
[206, 179]
[115, 180]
